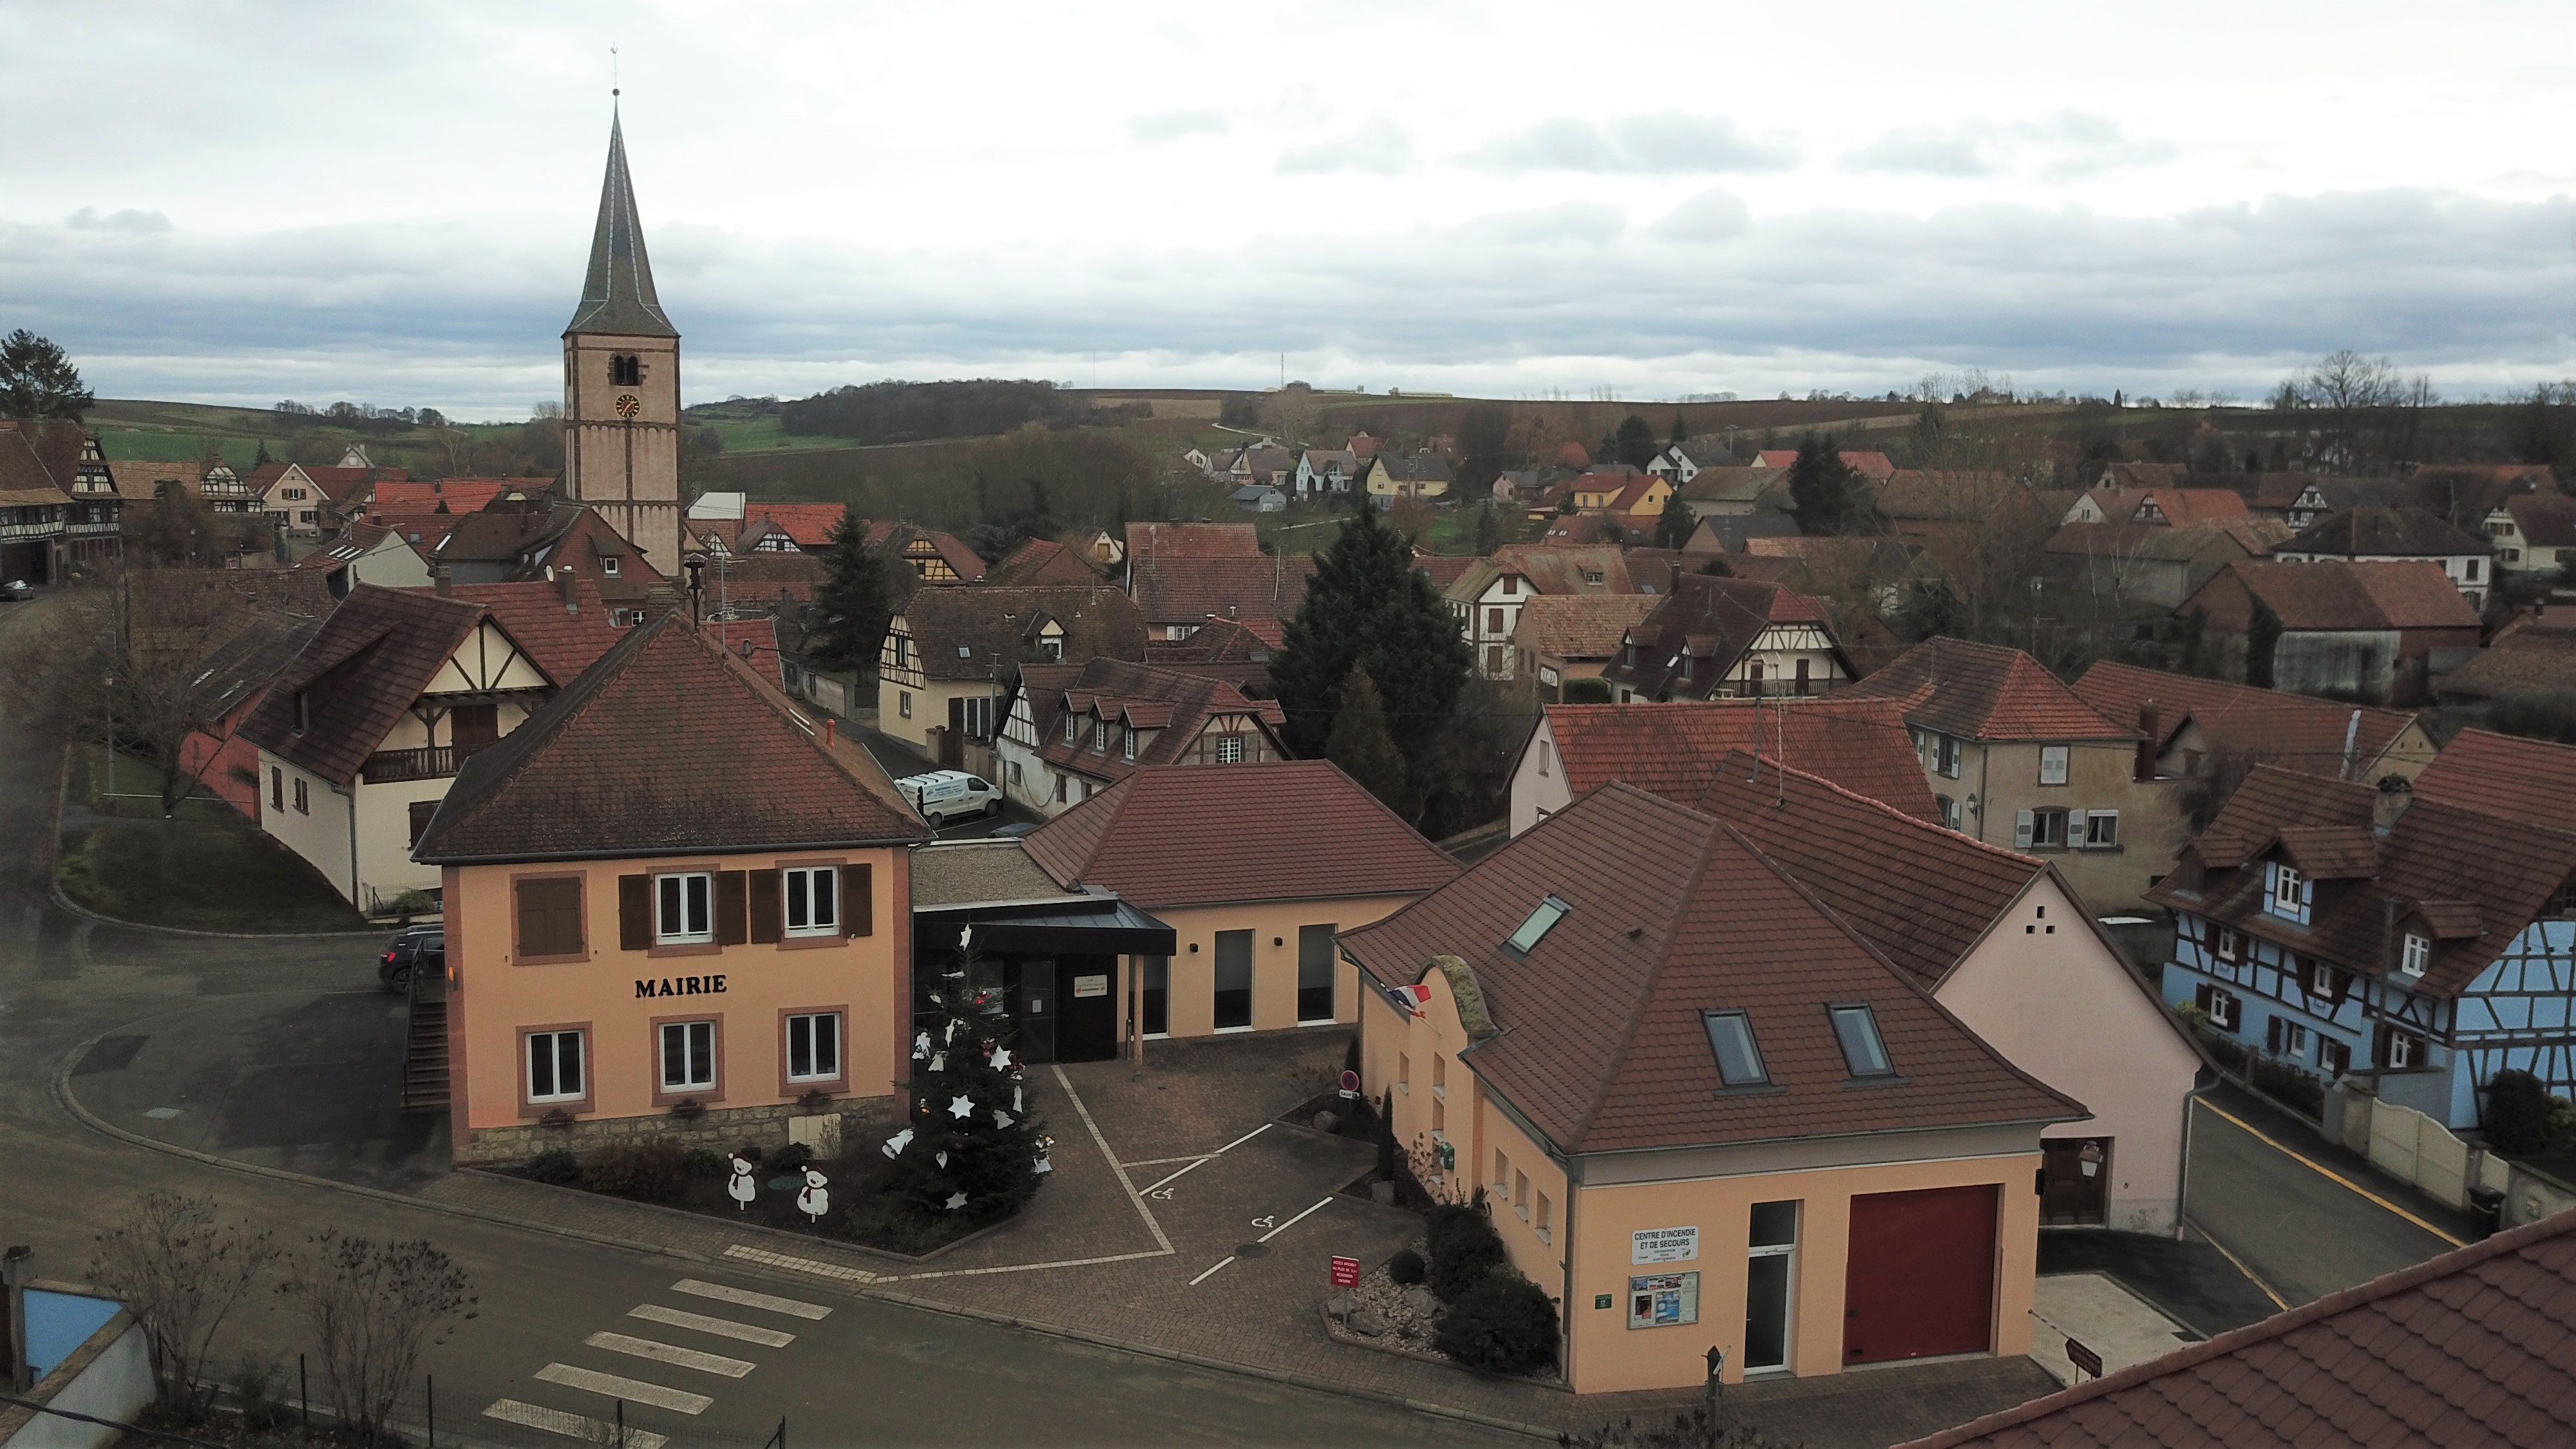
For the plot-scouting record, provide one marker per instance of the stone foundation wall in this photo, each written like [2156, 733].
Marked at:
[716, 1129]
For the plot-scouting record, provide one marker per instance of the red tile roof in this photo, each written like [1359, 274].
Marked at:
[2295, 731]
[1190, 589]
[1708, 622]
[1601, 1042]
[2183, 507]
[1445, 568]
[809, 524]
[969, 633]
[1041, 561]
[2533, 781]
[455, 495]
[1177, 704]
[1177, 835]
[2372, 531]
[2471, 1347]
[361, 672]
[1673, 750]
[2546, 520]
[1580, 626]
[2335, 595]
[669, 746]
[1219, 649]
[1985, 692]
[754, 641]
[564, 642]
[1191, 540]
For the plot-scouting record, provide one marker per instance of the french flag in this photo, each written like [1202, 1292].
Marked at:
[1411, 1000]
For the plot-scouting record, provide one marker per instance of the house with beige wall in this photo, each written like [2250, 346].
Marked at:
[1257, 869]
[1702, 1111]
[950, 655]
[1071, 731]
[625, 945]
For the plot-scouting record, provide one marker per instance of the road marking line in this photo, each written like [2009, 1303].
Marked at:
[2329, 1173]
[1210, 1273]
[745, 1298]
[1032, 1267]
[672, 1354]
[569, 1425]
[720, 1327]
[815, 1266]
[1213, 1156]
[1168, 1161]
[1292, 1222]
[2250, 1275]
[617, 1387]
[1110, 1157]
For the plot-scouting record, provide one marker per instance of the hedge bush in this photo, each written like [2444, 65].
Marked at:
[1464, 1259]
[554, 1165]
[2517, 1114]
[1447, 1218]
[647, 1171]
[1504, 1325]
[1405, 1267]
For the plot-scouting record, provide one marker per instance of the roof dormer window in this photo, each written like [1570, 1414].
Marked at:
[303, 711]
[1072, 728]
[1127, 745]
[2414, 954]
[1100, 737]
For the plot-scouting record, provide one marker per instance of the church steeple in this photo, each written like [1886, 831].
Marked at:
[617, 296]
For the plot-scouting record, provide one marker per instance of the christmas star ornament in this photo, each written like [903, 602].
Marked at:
[961, 1107]
[1002, 1060]
[898, 1142]
[956, 1200]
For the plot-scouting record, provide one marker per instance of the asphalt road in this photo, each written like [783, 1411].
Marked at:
[864, 1372]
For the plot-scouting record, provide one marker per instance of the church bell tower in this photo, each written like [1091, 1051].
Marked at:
[622, 382]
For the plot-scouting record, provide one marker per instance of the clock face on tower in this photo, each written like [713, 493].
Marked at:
[628, 405]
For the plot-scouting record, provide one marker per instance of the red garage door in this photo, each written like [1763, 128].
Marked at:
[1921, 1276]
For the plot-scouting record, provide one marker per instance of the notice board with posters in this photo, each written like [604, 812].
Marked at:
[1663, 1300]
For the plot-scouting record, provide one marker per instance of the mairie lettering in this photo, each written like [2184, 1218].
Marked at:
[681, 986]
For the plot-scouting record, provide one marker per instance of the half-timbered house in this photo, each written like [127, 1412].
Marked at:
[1073, 730]
[1726, 638]
[2419, 939]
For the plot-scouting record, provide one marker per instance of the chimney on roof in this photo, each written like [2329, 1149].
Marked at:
[446, 584]
[563, 585]
[2149, 740]
[2395, 794]
[1676, 585]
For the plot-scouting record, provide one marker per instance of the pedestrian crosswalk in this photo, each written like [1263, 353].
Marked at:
[677, 1361]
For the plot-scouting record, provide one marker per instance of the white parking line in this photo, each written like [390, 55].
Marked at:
[1265, 1237]
[618, 1387]
[745, 1298]
[571, 1426]
[1204, 1161]
[1210, 1273]
[720, 1327]
[815, 1266]
[671, 1353]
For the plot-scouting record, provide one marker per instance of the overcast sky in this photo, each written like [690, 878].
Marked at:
[392, 204]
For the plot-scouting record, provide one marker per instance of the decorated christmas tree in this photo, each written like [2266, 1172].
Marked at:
[971, 1149]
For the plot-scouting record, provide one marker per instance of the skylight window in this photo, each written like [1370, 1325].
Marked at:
[1730, 1038]
[1540, 922]
[1857, 1029]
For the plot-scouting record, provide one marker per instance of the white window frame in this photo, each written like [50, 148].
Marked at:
[2287, 896]
[1229, 749]
[903, 702]
[1789, 1320]
[2052, 764]
[1072, 728]
[1950, 754]
[553, 1046]
[608, 565]
[2101, 830]
[814, 892]
[2406, 1045]
[2415, 954]
[671, 903]
[2226, 1009]
[1127, 745]
[2230, 945]
[697, 1050]
[812, 1025]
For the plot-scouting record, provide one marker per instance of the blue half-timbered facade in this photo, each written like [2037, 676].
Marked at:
[2338, 928]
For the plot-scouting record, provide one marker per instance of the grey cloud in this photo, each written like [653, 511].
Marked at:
[1713, 215]
[2068, 146]
[2082, 145]
[1659, 143]
[1164, 126]
[88, 219]
[1377, 145]
[1967, 149]
[1590, 222]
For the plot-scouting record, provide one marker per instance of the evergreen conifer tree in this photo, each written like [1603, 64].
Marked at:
[971, 1149]
[1360, 743]
[1369, 607]
[854, 603]
[1489, 529]
[1681, 429]
[1677, 524]
[1635, 442]
[1826, 496]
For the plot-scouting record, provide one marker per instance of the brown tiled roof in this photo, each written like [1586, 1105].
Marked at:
[1869, 463]
[1713, 620]
[338, 483]
[754, 641]
[2547, 520]
[2371, 530]
[456, 495]
[373, 657]
[764, 577]
[901, 538]
[1727, 485]
[1566, 568]
[2533, 781]
[2335, 595]
[25, 481]
[1580, 626]
[1176, 703]
[1921, 894]
[562, 641]
[1040, 561]
[2329, 852]
[2183, 507]
[1178, 835]
[141, 479]
[1192, 588]
[2437, 855]
[1219, 649]
[243, 626]
[670, 745]
[997, 628]
[1985, 692]
[1191, 540]
[1445, 568]
[810, 525]
[2467, 1348]
[1601, 1043]
[2296, 731]
[2233, 538]
[1673, 750]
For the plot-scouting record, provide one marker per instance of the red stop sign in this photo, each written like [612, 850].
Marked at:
[1346, 1272]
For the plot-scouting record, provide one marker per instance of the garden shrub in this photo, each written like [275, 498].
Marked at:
[1504, 1325]
[1406, 1267]
[699, 1162]
[790, 1159]
[555, 1165]
[1448, 1218]
[2517, 1114]
[1464, 1259]
[647, 1171]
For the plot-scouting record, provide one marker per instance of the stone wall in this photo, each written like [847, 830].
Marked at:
[716, 1129]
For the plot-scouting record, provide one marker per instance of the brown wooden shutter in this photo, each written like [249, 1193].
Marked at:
[764, 907]
[859, 900]
[733, 924]
[635, 912]
[549, 917]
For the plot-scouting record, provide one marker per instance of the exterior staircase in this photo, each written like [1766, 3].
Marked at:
[424, 1087]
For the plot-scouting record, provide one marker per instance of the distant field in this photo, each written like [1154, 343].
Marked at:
[171, 431]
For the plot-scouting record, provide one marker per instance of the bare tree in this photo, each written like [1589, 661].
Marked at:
[373, 1309]
[180, 1271]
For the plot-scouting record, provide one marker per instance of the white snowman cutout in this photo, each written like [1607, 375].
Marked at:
[740, 1187]
[813, 1201]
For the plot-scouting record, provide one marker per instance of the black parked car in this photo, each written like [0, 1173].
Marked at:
[413, 948]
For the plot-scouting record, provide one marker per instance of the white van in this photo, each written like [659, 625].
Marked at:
[943, 795]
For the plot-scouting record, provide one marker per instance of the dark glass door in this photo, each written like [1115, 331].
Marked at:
[1034, 1007]
[1158, 994]
[1087, 1031]
[1233, 979]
